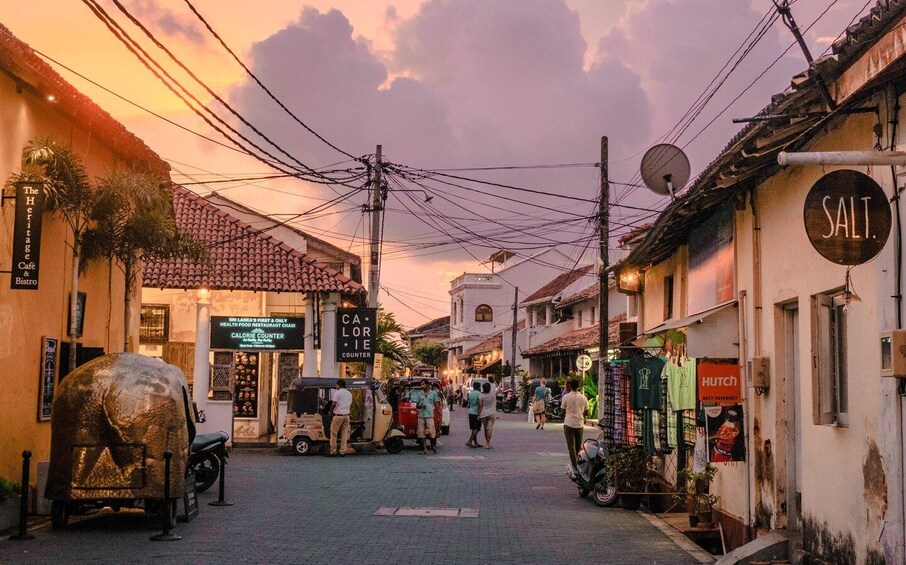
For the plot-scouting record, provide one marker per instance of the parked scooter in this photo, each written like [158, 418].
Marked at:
[207, 455]
[554, 411]
[590, 473]
[506, 400]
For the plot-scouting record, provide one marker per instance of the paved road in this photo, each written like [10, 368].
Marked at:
[291, 509]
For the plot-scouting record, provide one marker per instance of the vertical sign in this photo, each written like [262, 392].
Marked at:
[49, 349]
[356, 333]
[27, 235]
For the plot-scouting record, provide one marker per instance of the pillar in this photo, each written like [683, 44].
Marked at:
[548, 315]
[329, 368]
[202, 373]
[310, 362]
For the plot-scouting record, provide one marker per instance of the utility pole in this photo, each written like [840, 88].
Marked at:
[374, 267]
[513, 352]
[603, 306]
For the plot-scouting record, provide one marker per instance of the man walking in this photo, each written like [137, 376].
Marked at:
[425, 399]
[474, 421]
[575, 406]
[487, 412]
[339, 423]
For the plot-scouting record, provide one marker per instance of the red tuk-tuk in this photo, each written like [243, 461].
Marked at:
[405, 412]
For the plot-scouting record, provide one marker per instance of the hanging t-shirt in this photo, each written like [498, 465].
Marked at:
[681, 384]
[646, 381]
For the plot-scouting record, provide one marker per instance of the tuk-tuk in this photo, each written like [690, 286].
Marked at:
[307, 423]
[405, 412]
[112, 420]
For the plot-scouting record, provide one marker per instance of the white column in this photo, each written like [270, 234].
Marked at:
[310, 363]
[329, 368]
[548, 315]
[202, 371]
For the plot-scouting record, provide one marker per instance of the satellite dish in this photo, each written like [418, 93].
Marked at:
[665, 169]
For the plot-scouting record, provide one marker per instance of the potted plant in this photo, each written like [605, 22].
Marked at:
[9, 503]
[629, 469]
[693, 492]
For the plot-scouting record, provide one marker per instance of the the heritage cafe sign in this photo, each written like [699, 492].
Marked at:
[847, 217]
[257, 334]
[27, 235]
[356, 333]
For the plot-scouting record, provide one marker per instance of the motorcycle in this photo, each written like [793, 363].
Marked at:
[590, 473]
[506, 400]
[208, 453]
[554, 411]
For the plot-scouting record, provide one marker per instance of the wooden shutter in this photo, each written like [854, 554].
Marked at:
[181, 354]
[822, 360]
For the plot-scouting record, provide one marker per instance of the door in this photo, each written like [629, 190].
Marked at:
[794, 415]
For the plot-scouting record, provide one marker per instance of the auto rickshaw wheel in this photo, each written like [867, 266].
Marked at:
[302, 445]
[59, 514]
[394, 444]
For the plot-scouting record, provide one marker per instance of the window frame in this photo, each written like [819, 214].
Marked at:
[487, 312]
[165, 337]
[830, 375]
[669, 287]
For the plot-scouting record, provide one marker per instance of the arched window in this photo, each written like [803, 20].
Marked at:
[484, 314]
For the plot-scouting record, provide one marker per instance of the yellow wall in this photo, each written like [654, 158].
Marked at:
[27, 315]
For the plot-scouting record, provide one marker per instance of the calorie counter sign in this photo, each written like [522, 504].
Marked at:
[719, 384]
[356, 334]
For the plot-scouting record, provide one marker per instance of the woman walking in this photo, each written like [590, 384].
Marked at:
[539, 406]
[487, 412]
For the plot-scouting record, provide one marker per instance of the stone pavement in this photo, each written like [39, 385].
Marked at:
[291, 509]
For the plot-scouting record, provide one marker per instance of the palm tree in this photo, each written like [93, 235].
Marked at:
[431, 354]
[133, 220]
[389, 341]
[70, 194]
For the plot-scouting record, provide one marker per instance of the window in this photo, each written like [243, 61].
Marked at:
[484, 314]
[453, 306]
[591, 319]
[289, 370]
[668, 297]
[579, 318]
[155, 323]
[461, 312]
[830, 383]
[221, 370]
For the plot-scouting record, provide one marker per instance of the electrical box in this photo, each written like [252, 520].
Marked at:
[893, 353]
[760, 373]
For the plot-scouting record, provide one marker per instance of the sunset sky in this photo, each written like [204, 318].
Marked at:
[440, 84]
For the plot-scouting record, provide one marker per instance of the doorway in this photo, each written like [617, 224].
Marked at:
[793, 393]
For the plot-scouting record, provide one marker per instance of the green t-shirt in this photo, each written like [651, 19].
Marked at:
[473, 402]
[681, 384]
[426, 403]
[646, 372]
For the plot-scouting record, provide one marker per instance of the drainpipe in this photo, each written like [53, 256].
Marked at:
[743, 353]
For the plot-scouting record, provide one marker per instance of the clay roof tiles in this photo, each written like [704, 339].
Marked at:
[242, 258]
[577, 340]
[557, 285]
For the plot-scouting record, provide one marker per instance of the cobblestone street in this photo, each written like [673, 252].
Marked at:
[321, 510]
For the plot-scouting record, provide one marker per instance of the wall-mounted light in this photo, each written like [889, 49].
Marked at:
[51, 98]
[849, 294]
[204, 295]
[629, 281]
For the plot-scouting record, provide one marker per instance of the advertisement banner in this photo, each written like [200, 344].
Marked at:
[719, 383]
[257, 334]
[27, 236]
[726, 438]
[49, 356]
[356, 333]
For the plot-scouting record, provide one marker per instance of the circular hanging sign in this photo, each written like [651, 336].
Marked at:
[583, 363]
[847, 217]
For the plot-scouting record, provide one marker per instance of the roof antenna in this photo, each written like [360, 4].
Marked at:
[783, 8]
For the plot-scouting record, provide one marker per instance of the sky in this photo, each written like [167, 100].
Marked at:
[440, 84]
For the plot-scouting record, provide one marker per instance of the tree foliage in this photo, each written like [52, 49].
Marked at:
[431, 354]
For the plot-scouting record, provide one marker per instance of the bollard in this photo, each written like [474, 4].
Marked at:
[165, 508]
[23, 534]
[220, 501]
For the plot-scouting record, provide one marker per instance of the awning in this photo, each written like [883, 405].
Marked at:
[711, 333]
[490, 367]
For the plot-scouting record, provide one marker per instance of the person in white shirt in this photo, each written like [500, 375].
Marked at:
[339, 424]
[575, 406]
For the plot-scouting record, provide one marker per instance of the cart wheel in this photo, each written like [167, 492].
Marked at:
[394, 444]
[445, 430]
[301, 445]
[59, 514]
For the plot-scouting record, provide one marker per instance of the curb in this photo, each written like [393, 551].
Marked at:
[679, 539]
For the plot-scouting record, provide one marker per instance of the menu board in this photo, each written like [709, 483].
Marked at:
[245, 379]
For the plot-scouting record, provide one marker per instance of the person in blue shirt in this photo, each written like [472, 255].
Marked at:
[425, 400]
[474, 421]
[539, 406]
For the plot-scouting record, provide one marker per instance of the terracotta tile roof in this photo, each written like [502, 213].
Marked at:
[557, 285]
[490, 344]
[242, 258]
[578, 340]
[34, 75]
[437, 327]
[584, 294]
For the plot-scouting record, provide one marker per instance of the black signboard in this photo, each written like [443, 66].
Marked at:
[189, 499]
[49, 355]
[847, 217]
[27, 236]
[356, 333]
[257, 334]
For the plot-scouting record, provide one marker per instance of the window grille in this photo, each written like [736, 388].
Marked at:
[155, 323]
